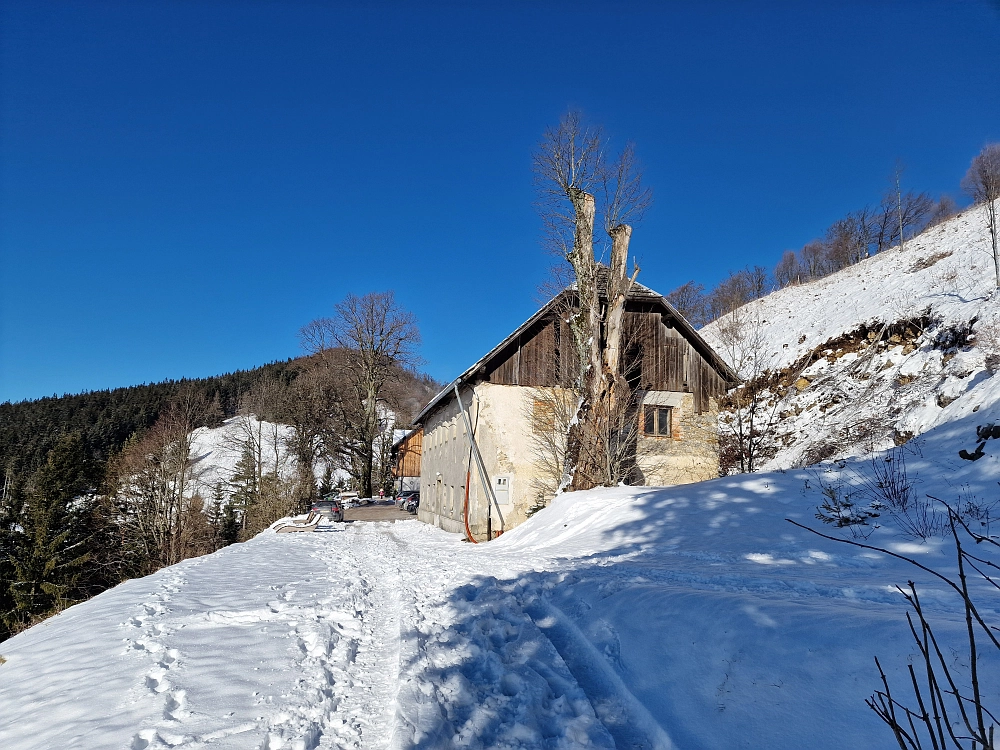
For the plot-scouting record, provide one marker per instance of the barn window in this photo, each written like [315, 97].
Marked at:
[657, 421]
[543, 417]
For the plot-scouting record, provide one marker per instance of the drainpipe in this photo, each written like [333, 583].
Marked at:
[483, 476]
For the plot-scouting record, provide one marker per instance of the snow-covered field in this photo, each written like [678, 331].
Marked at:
[216, 452]
[689, 617]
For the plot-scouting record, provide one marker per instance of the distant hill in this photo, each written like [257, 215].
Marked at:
[107, 418]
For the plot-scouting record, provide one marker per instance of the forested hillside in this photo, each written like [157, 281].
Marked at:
[106, 419]
[99, 487]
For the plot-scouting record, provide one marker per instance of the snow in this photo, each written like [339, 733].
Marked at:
[216, 451]
[859, 401]
[684, 617]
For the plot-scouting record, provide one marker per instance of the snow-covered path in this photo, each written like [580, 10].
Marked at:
[634, 618]
[349, 637]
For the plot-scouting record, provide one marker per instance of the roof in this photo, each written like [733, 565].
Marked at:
[399, 435]
[637, 292]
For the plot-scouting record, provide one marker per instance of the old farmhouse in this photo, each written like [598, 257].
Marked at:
[513, 397]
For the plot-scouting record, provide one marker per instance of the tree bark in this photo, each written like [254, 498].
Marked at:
[619, 285]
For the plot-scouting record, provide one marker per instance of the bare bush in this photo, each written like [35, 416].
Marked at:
[988, 341]
[891, 486]
[752, 408]
[949, 706]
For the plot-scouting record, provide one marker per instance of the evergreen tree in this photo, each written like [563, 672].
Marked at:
[52, 540]
[230, 530]
[245, 485]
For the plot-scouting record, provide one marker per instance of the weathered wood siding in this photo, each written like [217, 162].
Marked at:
[657, 357]
[541, 356]
[408, 455]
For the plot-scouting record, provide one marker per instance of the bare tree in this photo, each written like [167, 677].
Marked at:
[569, 168]
[376, 337]
[899, 216]
[689, 300]
[813, 259]
[752, 408]
[982, 183]
[758, 282]
[737, 289]
[153, 481]
[943, 210]
[312, 407]
[788, 271]
[264, 485]
[847, 240]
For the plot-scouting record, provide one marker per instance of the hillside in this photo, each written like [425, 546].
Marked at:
[107, 418]
[879, 352]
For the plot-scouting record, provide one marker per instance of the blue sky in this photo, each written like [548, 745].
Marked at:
[183, 185]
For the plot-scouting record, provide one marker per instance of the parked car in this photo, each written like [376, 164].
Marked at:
[329, 507]
[412, 503]
[402, 497]
[349, 499]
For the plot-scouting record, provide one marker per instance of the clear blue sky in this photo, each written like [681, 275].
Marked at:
[183, 185]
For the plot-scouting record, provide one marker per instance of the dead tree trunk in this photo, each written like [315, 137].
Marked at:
[607, 390]
[619, 285]
[585, 325]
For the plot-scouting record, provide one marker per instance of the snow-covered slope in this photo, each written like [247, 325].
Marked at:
[880, 351]
[691, 617]
[216, 451]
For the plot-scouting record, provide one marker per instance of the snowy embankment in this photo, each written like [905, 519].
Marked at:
[689, 617]
[881, 351]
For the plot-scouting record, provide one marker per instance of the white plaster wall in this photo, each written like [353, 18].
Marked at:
[501, 416]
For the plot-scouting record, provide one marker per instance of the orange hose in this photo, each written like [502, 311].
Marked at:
[465, 509]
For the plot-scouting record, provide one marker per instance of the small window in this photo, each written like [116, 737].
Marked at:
[657, 421]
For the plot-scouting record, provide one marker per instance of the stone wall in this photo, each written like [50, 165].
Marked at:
[691, 453]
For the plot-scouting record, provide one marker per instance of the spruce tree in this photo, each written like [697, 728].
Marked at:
[52, 543]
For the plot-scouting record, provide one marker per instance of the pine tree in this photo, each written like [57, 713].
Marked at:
[53, 541]
[245, 485]
[230, 529]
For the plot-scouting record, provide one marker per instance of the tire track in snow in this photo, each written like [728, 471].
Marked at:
[624, 716]
[476, 672]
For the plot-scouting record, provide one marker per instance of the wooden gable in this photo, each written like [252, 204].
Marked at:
[657, 356]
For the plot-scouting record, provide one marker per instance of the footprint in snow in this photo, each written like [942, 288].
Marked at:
[156, 680]
[174, 710]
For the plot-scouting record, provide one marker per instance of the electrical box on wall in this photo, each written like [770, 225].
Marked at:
[502, 489]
